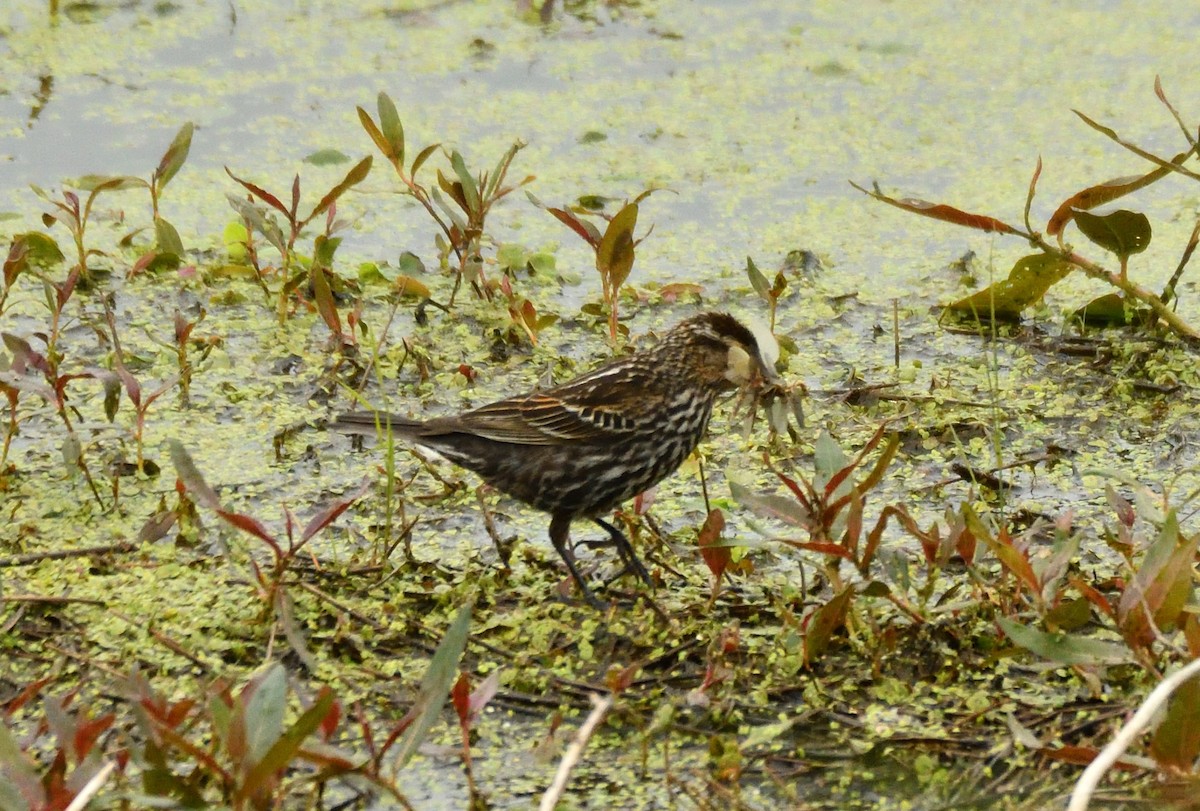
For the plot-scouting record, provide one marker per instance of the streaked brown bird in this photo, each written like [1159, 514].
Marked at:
[579, 449]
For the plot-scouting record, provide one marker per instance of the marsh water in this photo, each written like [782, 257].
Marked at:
[749, 117]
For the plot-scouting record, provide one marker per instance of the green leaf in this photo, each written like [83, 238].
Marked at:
[175, 156]
[264, 709]
[41, 249]
[1027, 282]
[99, 183]
[469, 188]
[189, 474]
[497, 175]
[326, 157]
[410, 264]
[435, 685]
[758, 281]
[511, 256]
[1162, 584]
[1122, 232]
[614, 255]
[259, 222]
[828, 460]
[285, 748]
[112, 395]
[167, 238]
[1109, 310]
[421, 157]
[234, 237]
[454, 216]
[768, 505]
[1064, 648]
[324, 249]
[393, 131]
[1071, 615]
[543, 263]
[18, 777]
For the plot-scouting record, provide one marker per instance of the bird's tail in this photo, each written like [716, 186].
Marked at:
[370, 423]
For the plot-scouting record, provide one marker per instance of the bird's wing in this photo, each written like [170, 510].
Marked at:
[594, 407]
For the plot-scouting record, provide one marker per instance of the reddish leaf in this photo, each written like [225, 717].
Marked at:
[330, 513]
[22, 698]
[247, 523]
[261, 194]
[421, 157]
[323, 296]
[1015, 560]
[1191, 632]
[132, 387]
[18, 252]
[943, 212]
[824, 548]
[618, 680]
[586, 231]
[377, 137]
[460, 696]
[854, 524]
[88, 731]
[329, 722]
[1161, 584]
[1037, 172]
[177, 712]
[716, 555]
[1077, 755]
[144, 261]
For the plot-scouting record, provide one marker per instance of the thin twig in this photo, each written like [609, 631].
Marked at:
[600, 708]
[92, 787]
[47, 600]
[60, 554]
[340, 606]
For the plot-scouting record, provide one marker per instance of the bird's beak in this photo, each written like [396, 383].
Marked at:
[769, 375]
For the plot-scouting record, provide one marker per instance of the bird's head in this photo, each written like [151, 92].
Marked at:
[724, 353]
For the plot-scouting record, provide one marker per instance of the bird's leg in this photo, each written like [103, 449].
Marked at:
[625, 550]
[560, 532]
